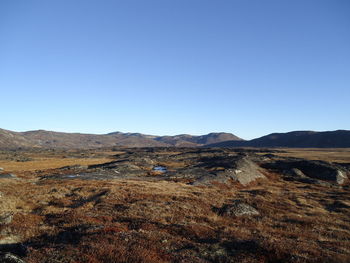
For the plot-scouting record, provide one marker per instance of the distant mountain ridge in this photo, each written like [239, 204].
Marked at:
[51, 139]
[295, 139]
[184, 140]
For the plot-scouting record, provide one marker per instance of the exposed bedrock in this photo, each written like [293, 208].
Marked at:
[303, 169]
[240, 168]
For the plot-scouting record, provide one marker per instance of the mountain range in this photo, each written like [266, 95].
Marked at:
[295, 139]
[51, 139]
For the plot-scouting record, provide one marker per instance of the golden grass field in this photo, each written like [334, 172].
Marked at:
[341, 155]
[48, 163]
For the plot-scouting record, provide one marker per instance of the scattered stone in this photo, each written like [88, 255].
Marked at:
[198, 173]
[208, 166]
[10, 258]
[145, 161]
[74, 167]
[122, 167]
[23, 159]
[9, 240]
[270, 156]
[237, 209]
[6, 218]
[7, 176]
[297, 173]
[341, 178]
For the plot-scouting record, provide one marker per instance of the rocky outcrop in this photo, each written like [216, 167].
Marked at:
[300, 169]
[10, 258]
[7, 176]
[240, 169]
[237, 209]
[245, 171]
[6, 218]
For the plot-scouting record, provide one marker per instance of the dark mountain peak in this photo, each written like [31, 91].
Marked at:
[217, 133]
[217, 137]
[184, 140]
[36, 131]
[295, 139]
[114, 133]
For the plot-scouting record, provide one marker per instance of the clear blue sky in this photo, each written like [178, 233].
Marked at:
[170, 67]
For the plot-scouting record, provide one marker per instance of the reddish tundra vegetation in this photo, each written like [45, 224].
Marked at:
[175, 205]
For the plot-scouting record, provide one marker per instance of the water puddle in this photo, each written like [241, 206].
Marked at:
[68, 176]
[160, 169]
[73, 176]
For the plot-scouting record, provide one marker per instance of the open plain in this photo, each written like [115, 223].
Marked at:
[175, 205]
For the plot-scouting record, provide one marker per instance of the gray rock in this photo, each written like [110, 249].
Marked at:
[7, 176]
[242, 170]
[195, 173]
[10, 258]
[1, 169]
[246, 171]
[6, 218]
[237, 209]
[319, 170]
[341, 177]
[297, 173]
[74, 167]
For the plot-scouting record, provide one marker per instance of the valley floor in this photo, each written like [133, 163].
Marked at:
[114, 206]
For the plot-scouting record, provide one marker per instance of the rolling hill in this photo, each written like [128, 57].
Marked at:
[51, 139]
[295, 139]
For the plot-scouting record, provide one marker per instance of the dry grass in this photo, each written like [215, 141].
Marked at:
[48, 163]
[141, 221]
[341, 155]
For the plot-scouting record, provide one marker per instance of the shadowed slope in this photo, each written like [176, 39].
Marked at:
[295, 139]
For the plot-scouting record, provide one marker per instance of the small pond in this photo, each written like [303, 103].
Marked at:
[160, 169]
